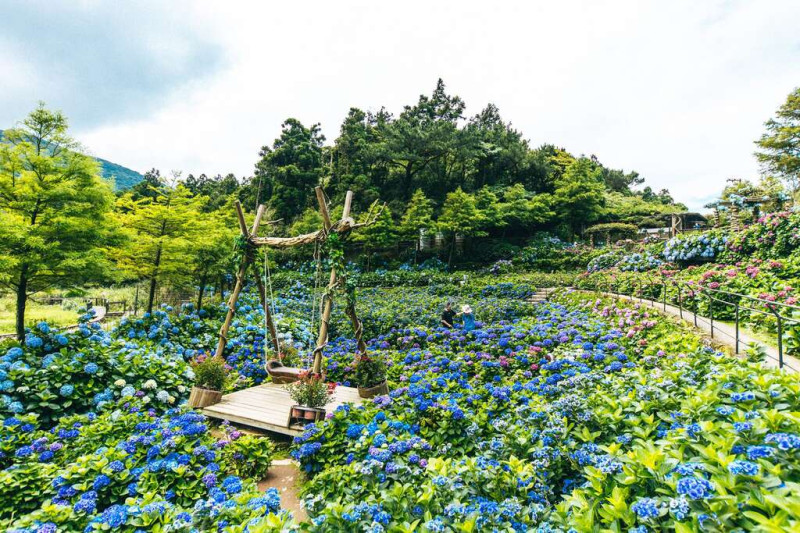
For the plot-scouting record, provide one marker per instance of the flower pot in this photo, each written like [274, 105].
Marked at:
[380, 389]
[301, 415]
[200, 397]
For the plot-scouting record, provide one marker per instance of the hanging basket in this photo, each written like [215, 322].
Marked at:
[200, 397]
[301, 415]
[381, 389]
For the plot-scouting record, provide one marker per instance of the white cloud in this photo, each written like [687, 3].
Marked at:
[676, 90]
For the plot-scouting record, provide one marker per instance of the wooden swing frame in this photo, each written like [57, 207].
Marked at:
[342, 227]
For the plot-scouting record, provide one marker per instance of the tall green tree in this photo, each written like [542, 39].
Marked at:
[418, 217]
[291, 168]
[211, 249]
[55, 221]
[164, 232]
[779, 152]
[488, 204]
[522, 211]
[460, 215]
[382, 233]
[420, 138]
[579, 198]
[358, 164]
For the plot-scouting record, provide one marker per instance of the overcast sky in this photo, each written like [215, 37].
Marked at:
[677, 90]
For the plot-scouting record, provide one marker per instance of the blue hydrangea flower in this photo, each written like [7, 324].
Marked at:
[646, 508]
[695, 488]
[744, 468]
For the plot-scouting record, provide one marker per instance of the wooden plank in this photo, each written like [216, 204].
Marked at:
[267, 407]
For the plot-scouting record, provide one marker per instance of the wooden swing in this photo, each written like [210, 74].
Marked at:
[275, 368]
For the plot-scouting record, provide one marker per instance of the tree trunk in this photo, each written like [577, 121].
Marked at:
[200, 293]
[151, 294]
[22, 300]
[452, 247]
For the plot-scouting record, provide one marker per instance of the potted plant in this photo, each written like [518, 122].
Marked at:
[311, 394]
[370, 374]
[209, 380]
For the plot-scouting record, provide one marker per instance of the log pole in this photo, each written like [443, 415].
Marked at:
[237, 288]
[322, 338]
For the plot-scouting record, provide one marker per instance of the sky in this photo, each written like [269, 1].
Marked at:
[676, 90]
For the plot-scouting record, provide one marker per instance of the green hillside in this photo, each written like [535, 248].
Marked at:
[124, 178]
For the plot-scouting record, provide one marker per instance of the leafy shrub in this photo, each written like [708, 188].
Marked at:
[247, 456]
[311, 390]
[210, 373]
[369, 371]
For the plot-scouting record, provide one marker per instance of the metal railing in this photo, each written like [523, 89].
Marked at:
[686, 297]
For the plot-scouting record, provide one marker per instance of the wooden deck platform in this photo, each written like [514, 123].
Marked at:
[267, 407]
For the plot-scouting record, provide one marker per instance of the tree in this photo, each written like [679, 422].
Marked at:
[164, 233]
[423, 135]
[489, 206]
[780, 145]
[54, 211]
[357, 162]
[579, 198]
[418, 217]
[460, 215]
[381, 233]
[211, 249]
[521, 211]
[292, 168]
[152, 181]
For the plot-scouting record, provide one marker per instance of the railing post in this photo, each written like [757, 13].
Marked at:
[664, 284]
[680, 300]
[711, 314]
[780, 341]
[737, 327]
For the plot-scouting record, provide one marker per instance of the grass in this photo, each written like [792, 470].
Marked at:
[55, 315]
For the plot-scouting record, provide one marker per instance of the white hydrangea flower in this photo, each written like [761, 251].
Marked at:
[150, 384]
[120, 383]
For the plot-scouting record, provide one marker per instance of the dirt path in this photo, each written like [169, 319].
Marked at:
[285, 476]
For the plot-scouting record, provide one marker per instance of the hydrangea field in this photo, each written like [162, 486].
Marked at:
[580, 414]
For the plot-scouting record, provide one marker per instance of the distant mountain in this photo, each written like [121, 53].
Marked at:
[124, 178]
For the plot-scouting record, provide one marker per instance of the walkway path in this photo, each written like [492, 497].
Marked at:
[720, 332]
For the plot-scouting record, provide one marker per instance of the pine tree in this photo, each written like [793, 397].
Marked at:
[780, 145]
[54, 211]
[418, 217]
[163, 230]
[460, 215]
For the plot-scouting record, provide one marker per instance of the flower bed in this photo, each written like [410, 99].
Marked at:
[571, 415]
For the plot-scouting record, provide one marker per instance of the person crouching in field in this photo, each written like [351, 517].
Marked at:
[448, 315]
[467, 317]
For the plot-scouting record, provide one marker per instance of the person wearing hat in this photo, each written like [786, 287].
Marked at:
[467, 317]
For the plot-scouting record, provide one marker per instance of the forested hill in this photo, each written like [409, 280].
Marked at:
[124, 178]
